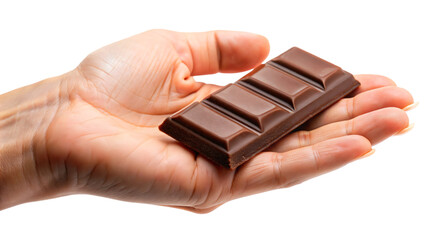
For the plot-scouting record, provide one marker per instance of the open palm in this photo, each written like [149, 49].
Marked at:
[106, 141]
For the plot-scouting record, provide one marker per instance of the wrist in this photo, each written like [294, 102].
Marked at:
[25, 115]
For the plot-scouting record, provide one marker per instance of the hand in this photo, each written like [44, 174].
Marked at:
[103, 138]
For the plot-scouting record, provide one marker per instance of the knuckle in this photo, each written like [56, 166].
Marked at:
[304, 138]
[350, 107]
[316, 158]
[349, 126]
[278, 170]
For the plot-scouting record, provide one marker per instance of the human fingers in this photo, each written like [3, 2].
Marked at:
[272, 170]
[364, 102]
[218, 51]
[375, 126]
[371, 81]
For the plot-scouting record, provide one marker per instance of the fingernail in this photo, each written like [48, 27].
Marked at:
[405, 130]
[368, 154]
[411, 106]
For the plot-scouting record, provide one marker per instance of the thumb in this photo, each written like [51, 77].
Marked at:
[224, 51]
[218, 51]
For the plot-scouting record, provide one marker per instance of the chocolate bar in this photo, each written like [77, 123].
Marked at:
[239, 120]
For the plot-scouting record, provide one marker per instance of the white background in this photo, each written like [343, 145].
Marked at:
[380, 197]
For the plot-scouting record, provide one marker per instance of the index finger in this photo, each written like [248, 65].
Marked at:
[370, 82]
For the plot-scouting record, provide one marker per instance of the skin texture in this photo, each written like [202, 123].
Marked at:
[95, 130]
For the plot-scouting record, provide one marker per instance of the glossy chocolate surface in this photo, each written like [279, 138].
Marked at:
[242, 119]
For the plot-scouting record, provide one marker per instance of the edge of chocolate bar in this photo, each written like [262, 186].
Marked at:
[286, 91]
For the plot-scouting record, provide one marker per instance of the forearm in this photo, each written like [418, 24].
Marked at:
[25, 115]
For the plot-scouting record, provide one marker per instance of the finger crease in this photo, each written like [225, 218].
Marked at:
[280, 180]
[304, 138]
[193, 181]
[349, 126]
[219, 57]
[191, 68]
[350, 108]
[316, 155]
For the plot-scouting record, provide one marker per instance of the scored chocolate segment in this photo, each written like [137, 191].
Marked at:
[242, 119]
[308, 65]
[268, 80]
[213, 126]
[247, 107]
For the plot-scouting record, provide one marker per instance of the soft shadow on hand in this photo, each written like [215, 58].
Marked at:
[106, 141]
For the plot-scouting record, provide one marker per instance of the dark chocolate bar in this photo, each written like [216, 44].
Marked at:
[238, 121]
